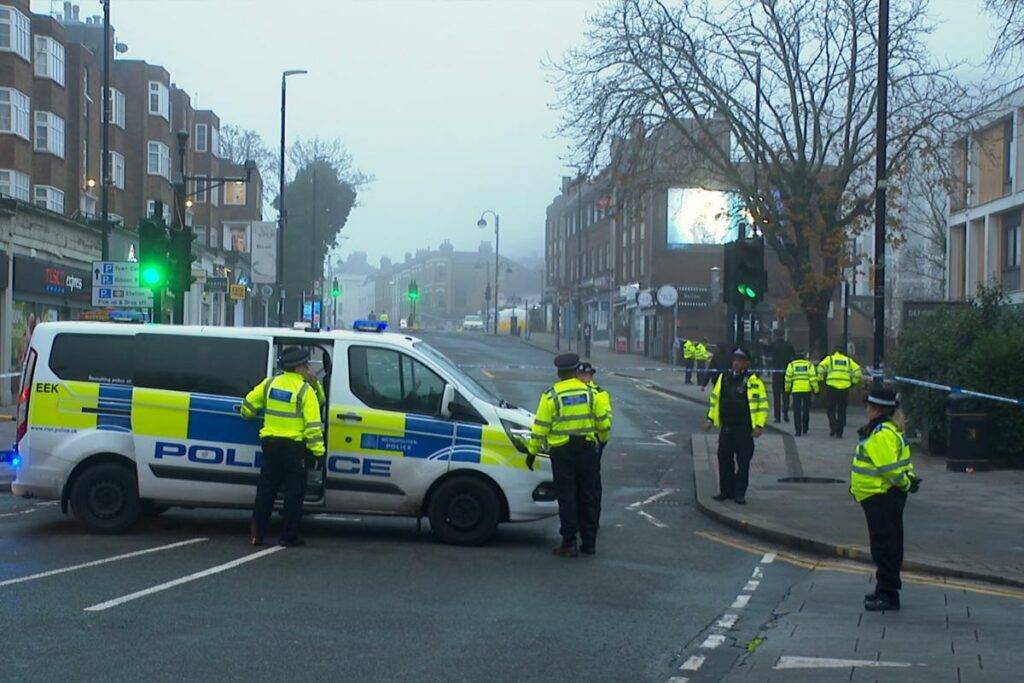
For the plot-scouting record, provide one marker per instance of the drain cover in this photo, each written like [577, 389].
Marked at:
[810, 480]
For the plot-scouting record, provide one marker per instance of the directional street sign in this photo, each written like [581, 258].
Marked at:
[216, 285]
[236, 292]
[115, 284]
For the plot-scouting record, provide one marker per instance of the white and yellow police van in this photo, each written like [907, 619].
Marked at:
[117, 421]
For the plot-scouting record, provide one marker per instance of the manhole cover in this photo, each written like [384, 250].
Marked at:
[810, 480]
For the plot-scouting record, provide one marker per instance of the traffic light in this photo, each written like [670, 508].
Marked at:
[335, 289]
[414, 291]
[746, 280]
[181, 258]
[154, 253]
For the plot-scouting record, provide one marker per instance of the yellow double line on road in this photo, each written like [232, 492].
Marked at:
[806, 562]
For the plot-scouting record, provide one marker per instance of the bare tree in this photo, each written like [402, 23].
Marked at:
[927, 186]
[686, 68]
[1008, 46]
[239, 144]
[332, 151]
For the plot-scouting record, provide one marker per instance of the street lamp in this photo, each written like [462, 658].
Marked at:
[281, 215]
[482, 223]
[741, 228]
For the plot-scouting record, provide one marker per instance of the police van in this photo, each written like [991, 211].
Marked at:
[118, 421]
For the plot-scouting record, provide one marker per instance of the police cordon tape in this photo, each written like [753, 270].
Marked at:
[951, 389]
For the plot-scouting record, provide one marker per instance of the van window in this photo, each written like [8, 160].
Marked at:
[106, 358]
[389, 380]
[206, 365]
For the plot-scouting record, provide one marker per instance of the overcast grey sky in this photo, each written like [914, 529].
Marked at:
[444, 102]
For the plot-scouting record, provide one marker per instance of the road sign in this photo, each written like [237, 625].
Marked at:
[691, 296]
[267, 291]
[667, 296]
[236, 292]
[317, 284]
[216, 285]
[115, 284]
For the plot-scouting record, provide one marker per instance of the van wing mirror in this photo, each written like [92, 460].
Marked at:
[447, 399]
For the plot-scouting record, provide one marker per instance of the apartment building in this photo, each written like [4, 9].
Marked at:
[984, 245]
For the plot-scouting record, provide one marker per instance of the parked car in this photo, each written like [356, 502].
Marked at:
[473, 323]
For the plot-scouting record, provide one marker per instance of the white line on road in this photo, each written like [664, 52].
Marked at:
[664, 438]
[184, 579]
[20, 512]
[652, 519]
[751, 586]
[337, 518]
[651, 499]
[678, 679]
[693, 663]
[758, 573]
[768, 558]
[713, 641]
[115, 558]
[789, 662]
[727, 621]
[740, 602]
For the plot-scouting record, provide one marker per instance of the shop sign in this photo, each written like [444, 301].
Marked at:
[51, 279]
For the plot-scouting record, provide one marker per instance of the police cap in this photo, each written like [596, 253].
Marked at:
[586, 368]
[567, 361]
[740, 352]
[886, 398]
[292, 357]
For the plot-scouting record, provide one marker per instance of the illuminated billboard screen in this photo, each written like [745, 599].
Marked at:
[699, 216]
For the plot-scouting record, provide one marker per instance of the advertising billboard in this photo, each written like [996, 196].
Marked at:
[263, 246]
[699, 216]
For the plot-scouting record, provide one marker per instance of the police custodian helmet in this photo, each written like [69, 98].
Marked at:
[567, 361]
[292, 357]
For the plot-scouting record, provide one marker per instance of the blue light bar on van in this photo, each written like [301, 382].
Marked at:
[369, 326]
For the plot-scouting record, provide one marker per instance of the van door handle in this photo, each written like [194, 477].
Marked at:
[350, 417]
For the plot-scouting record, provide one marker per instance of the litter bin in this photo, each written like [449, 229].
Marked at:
[967, 431]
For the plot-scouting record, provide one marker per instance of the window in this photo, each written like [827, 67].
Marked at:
[215, 141]
[158, 160]
[14, 108]
[103, 358]
[198, 191]
[115, 102]
[215, 194]
[159, 100]
[201, 141]
[1011, 251]
[234, 194]
[388, 380]
[235, 237]
[49, 59]
[201, 235]
[117, 170]
[14, 184]
[204, 365]
[15, 33]
[87, 205]
[49, 133]
[151, 210]
[49, 198]
[1009, 156]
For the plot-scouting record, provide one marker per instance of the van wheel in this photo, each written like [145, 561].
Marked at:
[464, 511]
[105, 498]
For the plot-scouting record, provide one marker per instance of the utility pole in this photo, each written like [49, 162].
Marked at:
[881, 182]
[105, 122]
[579, 259]
[282, 216]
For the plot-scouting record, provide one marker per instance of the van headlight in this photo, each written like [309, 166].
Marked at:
[518, 434]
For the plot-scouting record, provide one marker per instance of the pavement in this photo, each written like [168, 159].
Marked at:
[671, 596]
[799, 492]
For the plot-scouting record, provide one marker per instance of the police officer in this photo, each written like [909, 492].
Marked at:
[881, 477]
[739, 405]
[570, 424]
[603, 404]
[292, 426]
[801, 381]
[701, 356]
[781, 353]
[689, 358]
[839, 372]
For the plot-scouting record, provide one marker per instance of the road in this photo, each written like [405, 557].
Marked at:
[669, 595]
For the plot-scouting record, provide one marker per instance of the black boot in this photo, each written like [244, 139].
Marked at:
[568, 548]
[881, 603]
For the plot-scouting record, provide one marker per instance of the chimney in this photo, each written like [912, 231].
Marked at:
[74, 11]
[67, 11]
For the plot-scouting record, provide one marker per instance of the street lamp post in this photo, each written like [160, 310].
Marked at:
[282, 217]
[741, 229]
[105, 123]
[881, 182]
[482, 223]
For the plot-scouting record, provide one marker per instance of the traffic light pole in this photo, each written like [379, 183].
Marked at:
[881, 182]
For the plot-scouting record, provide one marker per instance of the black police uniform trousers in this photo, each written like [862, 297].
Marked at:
[836, 404]
[801, 411]
[284, 472]
[884, 514]
[576, 469]
[780, 399]
[689, 363]
[735, 449]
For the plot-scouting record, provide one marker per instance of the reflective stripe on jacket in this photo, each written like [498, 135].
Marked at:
[290, 410]
[801, 377]
[700, 352]
[839, 371]
[757, 400]
[881, 462]
[569, 408]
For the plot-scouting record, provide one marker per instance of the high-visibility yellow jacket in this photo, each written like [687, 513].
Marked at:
[839, 371]
[290, 410]
[757, 400]
[569, 408]
[689, 350]
[882, 462]
[602, 406]
[801, 377]
[318, 389]
[700, 353]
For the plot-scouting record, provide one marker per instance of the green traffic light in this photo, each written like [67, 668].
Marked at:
[152, 276]
[747, 291]
[335, 293]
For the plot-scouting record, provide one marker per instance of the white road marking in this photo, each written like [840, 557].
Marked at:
[713, 641]
[693, 663]
[651, 499]
[740, 602]
[727, 621]
[184, 579]
[652, 519]
[751, 586]
[337, 518]
[678, 679]
[662, 394]
[789, 662]
[37, 508]
[664, 438]
[757, 573]
[115, 558]
[768, 558]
